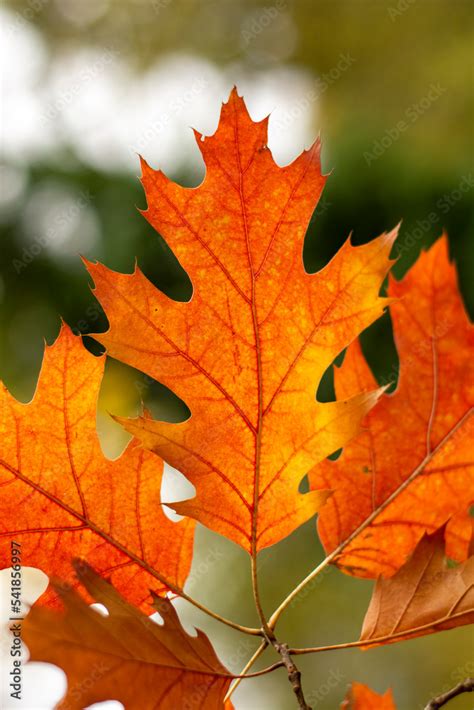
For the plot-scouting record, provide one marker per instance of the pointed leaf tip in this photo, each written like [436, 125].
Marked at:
[239, 236]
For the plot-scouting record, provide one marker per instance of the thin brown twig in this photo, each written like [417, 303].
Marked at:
[265, 631]
[294, 675]
[128, 553]
[218, 617]
[244, 670]
[264, 671]
[378, 640]
[337, 551]
[466, 686]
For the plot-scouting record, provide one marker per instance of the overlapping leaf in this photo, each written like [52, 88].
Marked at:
[414, 461]
[60, 496]
[361, 697]
[124, 656]
[248, 351]
[424, 596]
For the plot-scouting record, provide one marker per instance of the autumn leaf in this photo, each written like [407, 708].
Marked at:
[248, 351]
[360, 697]
[412, 467]
[424, 596]
[460, 536]
[61, 496]
[125, 655]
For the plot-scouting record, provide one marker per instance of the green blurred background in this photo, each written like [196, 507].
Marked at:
[89, 83]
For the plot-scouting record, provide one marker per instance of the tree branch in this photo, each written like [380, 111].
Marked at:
[467, 686]
[214, 615]
[244, 670]
[294, 674]
[128, 553]
[389, 638]
[264, 671]
[337, 551]
[265, 631]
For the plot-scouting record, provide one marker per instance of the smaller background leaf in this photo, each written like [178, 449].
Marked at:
[360, 697]
[124, 655]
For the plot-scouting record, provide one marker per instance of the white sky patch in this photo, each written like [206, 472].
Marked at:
[60, 221]
[175, 487]
[43, 684]
[92, 101]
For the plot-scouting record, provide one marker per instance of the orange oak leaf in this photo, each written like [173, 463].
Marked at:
[423, 597]
[125, 655]
[361, 697]
[248, 351]
[60, 496]
[412, 467]
[460, 536]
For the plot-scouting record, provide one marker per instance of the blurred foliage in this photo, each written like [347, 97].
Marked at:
[398, 51]
[399, 48]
